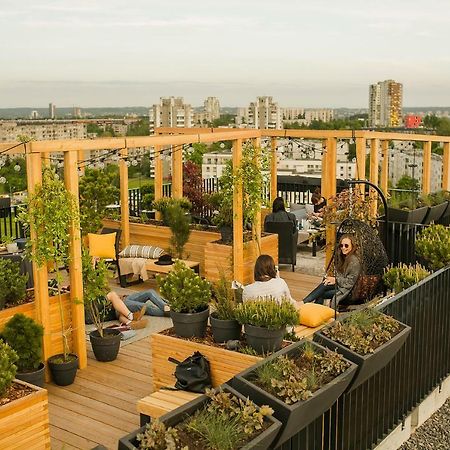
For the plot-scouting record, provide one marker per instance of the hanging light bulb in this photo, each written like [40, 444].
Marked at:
[56, 176]
[17, 168]
[101, 165]
[222, 145]
[80, 172]
[2, 162]
[60, 164]
[2, 180]
[128, 163]
[134, 162]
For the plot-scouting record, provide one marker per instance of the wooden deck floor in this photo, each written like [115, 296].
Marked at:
[100, 407]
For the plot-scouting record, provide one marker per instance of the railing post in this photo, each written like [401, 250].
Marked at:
[331, 192]
[361, 161]
[374, 144]
[124, 211]
[384, 167]
[446, 167]
[426, 177]
[238, 232]
[177, 171]
[324, 188]
[273, 170]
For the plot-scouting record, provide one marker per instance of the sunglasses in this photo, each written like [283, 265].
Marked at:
[344, 245]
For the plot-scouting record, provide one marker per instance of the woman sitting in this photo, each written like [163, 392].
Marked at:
[348, 269]
[267, 282]
[279, 213]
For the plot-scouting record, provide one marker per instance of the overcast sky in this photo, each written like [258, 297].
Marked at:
[314, 53]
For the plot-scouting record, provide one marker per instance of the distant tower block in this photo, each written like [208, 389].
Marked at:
[51, 111]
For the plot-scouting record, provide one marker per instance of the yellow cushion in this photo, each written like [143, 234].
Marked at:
[312, 315]
[102, 245]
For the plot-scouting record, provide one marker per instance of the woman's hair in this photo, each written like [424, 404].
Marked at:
[265, 268]
[341, 260]
[278, 205]
[315, 198]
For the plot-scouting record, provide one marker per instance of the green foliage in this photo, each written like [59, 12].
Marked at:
[13, 283]
[196, 153]
[223, 121]
[434, 198]
[140, 128]
[95, 287]
[148, 195]
[440, 124]
[403, 276]
[223, 299]
[24, 335]
[408, 183]
[267, 313]
[164, 203]
[184, 290]
[157, 436]
[179, 223]
[96, 192]
[336, 124]
[8, 369]
[7, 240]
[15, 180]
[363, 331]
[433, 245]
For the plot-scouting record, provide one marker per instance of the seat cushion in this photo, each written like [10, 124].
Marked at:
[102, 245]
[312, 315]
[141, 251]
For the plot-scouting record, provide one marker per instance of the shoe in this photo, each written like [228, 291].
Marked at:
[140, 314]
[138, 324]
[166, 311]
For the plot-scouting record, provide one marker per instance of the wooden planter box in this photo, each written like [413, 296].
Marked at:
[219, 257]
[159, 235]
[24, 423]
[224, 364]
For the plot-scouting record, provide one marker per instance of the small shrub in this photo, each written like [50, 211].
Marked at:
[223, 299]
[184, 290]
[7, 367]
[267, 313]
[433, 245]
[179, 223]
[164, 203]
[157, 436]
[13, 284]
[24, 335]
[403, 276]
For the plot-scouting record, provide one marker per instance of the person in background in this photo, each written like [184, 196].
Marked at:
[348, 269]
[279, 213]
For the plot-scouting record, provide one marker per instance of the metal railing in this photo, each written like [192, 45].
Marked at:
[8, 224]
[362, 418]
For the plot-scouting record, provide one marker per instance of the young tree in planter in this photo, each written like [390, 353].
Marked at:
[433, 245]
[179, 223]
[164, 203]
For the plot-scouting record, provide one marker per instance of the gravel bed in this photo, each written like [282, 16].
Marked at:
[434, 434]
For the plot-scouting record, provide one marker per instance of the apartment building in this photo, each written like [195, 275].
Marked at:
[290, 113]
[170, 112]
[385, 104]
[306, 116]
[51, 111]
[262, 114]
[213, 164]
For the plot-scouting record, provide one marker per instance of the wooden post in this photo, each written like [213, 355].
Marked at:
[324, 188]
[331, 192]
[426, 176]
[158, 177]
[40, 275]
[46, 159]
[257, 224]
[238, 232]
[384, 182]
[177, 171]
[273, 170]
[445, 167]
[81, 158]
[361, 162]
[75, 269]
[374, 144]
[124, 210]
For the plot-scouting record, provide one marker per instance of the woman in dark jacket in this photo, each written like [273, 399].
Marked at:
[279, 213]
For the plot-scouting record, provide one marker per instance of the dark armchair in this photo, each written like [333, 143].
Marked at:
[287, 241]
[118, 231]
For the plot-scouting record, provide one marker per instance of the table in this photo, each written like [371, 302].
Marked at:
[311, 234]
[25, 265]
[152, 267]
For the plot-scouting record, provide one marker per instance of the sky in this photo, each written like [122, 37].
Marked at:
[316, 53]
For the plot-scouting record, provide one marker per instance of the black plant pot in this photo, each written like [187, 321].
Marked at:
[435, 213]
[370, 364]
[105, 348]
[225, 330]
[405, 216]
[226, 233]
[63, 373]
[263, 340]
[190, 324]
[297, 416]
[262, 441]
[36, 377]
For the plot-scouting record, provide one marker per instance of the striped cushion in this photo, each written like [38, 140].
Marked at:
[141, 251]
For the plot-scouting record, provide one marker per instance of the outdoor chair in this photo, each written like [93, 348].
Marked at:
[115, 261]
[287, 241]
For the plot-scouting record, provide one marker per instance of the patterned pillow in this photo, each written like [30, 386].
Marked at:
[141, 251]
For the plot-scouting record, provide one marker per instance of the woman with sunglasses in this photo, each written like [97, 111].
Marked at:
[348, 268]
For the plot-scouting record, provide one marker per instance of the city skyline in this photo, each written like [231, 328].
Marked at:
[314, 55]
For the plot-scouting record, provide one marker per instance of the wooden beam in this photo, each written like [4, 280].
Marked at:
[426, 176]
[361, 161]
[384, 181]
[81, 157]
[177, 171]
[124, 210]
[331, 192]
[257, 225]
[374, 144]
[75, 269]
[158, 182]
[273, 170]
[324, 188]
[238, 232]
[446, 167]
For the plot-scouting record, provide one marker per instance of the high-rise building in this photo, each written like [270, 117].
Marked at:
[264, 113]
[51, 111]
[170, 112]
[212, 108]
[34, 115]
[385, 104]
[77, 112]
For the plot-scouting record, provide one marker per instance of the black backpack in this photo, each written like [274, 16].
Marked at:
[193, 373]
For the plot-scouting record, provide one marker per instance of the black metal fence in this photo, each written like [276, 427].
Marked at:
[8, 224]
[361, 419]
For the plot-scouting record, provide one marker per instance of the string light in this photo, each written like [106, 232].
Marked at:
[2, 180]
[17, 168]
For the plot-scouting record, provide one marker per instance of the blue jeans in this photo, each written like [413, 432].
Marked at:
[320, 293]
[155, 307]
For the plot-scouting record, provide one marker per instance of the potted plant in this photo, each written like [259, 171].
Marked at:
[433, 246]
[406, 210]
[13, 283]
[162, 204]
[366, 337]
[222, 201]
[24, 335]
[224, 325]
[398, 278]
[265, 322]
[188, 296]
[11, 246]
[221, 420]
[53, 210]
[105, 342]
[300, 382]
[179, 224]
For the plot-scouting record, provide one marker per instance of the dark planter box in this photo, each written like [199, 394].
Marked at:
[435, 213]
[261, 442]
[369, 364]
[297, 416]
[405, 216]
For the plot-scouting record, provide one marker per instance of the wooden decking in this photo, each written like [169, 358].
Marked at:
[100, 407]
